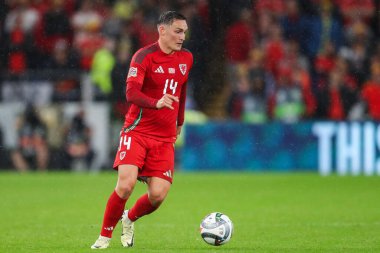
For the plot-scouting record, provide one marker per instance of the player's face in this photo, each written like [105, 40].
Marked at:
[174, 35]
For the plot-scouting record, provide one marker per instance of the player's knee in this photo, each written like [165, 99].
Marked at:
[156, 197]
[125, 189]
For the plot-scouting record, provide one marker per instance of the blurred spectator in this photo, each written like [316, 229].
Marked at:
[353, 10]
[323, 64]
[22, 16]
[77, 144]
[273, 7]
[357, 50]
[54, 26]
[239, 38]
[19, 28]
[264, 22]
[62, 57]
[249, 102]
[119, 72]
[336, 100]
[291, 102]
[32, 150]
[87, 23]
[101, 69]
[274, 49]
[144, 28]
[294, 23]
[62, 65]
[323, 30]
[123, 9]
[371, 93]
[197, 41]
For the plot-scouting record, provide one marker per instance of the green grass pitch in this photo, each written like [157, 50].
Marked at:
[62, 212]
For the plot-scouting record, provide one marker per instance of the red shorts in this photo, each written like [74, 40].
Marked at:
[154, 158]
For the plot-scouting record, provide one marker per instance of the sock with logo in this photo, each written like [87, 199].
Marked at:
[142, 207]
[114, 211]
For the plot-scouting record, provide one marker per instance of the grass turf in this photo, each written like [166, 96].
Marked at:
[62, 212]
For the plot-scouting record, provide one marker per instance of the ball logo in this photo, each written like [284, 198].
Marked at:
[183, 68]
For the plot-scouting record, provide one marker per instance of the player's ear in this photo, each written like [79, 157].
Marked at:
[161, 29]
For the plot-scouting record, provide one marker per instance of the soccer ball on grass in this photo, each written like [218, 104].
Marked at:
[216, 229]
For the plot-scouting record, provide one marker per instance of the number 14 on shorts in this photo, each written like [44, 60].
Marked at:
[126, 141]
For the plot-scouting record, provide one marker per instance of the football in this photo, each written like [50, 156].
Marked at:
[216, 229]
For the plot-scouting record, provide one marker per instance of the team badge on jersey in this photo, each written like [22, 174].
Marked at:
[132, 72]
[122, 155]
[183, 68]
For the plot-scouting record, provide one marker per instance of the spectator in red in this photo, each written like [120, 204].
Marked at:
[349, 79]
[274, 49]
[371, 93]
[275, 8]
[324, 63]
[19, 27]
[356, 9]
[239, 38]
[336, 100]
[54, 26]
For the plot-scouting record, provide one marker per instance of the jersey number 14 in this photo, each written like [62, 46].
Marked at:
[172, 85]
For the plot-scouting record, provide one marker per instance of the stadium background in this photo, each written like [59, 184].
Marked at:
[260, 66]
[257, 63]
[281, 93]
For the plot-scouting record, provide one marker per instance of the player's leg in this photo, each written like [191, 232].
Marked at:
[158, 189]
[127, 176]
[158, 171]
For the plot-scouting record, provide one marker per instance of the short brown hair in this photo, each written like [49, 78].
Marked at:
[168, 17]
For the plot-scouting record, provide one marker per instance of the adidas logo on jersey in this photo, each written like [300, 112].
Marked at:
[168, 174]
[159, 70]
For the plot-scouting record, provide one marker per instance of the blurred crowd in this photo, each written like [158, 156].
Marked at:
[285, 60]
[93, 36]
[291, 60]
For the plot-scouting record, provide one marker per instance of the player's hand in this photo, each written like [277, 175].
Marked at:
[167, 101]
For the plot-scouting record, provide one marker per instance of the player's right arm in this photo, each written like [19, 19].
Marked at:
[137, 97]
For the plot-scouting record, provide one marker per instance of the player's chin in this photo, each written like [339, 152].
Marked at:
[178, 46]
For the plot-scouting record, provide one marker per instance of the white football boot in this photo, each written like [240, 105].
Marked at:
[102, 243]
[127, 233]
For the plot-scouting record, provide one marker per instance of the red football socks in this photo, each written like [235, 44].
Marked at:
[142, 207]
[114, 211]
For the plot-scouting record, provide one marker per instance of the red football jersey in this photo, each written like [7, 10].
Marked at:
[158, 73]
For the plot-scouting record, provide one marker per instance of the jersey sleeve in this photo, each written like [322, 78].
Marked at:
[136, 96]
[137, 71]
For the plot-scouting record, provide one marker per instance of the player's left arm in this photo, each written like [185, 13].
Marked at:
[181, 108]
[182, 101]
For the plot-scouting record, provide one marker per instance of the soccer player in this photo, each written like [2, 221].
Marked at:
[156, 93]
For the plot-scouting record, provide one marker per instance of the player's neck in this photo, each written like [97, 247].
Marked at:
[164, 48]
